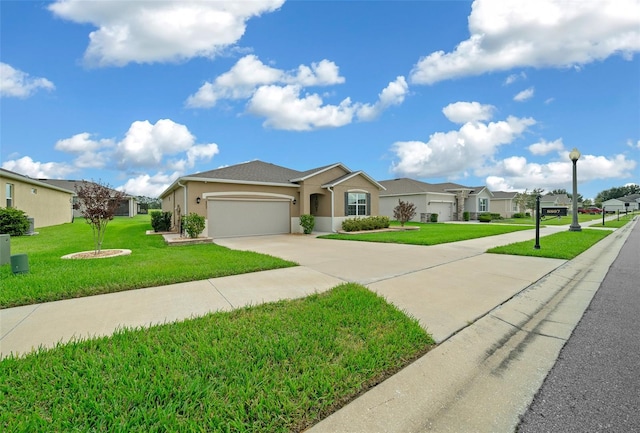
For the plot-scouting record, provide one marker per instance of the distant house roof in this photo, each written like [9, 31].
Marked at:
[504, 195]
[259, 172]
[411, 186]
[560, 199]
[38, 182]
[71, 184]
[633, 198]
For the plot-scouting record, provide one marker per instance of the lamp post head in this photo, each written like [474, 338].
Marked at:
[574, 155]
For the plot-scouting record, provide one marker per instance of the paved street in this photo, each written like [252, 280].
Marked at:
[595, 384]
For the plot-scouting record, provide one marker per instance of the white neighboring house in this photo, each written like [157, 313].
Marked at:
[628, 203]
[48, 205]
[448, 200]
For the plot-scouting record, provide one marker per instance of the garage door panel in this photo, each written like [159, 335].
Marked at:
[443, 210]
[229, 218]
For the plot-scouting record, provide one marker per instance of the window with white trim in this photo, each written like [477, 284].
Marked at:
[357, 203]
[483, 205]
[9, 194]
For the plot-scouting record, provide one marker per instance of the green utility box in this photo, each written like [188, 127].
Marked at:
[19, 264]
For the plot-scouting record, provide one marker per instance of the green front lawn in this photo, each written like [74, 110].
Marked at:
[550, 221]
[563, 245]
[277, 367]
[151, 263]
[432, 233]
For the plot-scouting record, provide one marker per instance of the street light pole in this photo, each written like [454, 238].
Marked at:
[574, 156]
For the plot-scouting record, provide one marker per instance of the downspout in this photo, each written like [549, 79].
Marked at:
[333, 230]
[184, 210]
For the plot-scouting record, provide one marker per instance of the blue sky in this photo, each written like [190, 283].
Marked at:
[495, 93]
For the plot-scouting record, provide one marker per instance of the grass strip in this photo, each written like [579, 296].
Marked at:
[276, 367]
[563, 245]
[431, 234]
[151, 263]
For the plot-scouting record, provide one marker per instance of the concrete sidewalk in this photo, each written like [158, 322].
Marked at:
[440, 273]
[447, 287]
[483, 378]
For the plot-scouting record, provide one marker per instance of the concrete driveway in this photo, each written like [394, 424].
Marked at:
[444, 286]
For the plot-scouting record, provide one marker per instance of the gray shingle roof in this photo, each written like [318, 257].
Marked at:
[70, 184]
[412, 186]
[252, 171]
[504, 194]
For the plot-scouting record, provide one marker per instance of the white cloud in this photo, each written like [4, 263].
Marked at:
[516, 173]
[524, 95]
[249, 73]
[324, 73]
[284, 108]
[451, 154]
[145, 144]
[541, 33]
[393, 94]
[633, 145]
[544, 147]
[148, 186]
[514, 77]
[276, 95]
[39, 170]
[160, 31]
[463, 112]
[18, 84]
[495, 183]
[81, 143]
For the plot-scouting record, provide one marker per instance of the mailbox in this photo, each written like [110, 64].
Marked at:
[555, 211]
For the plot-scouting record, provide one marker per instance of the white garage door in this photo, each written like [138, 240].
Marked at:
[229, 218]
[444, 211]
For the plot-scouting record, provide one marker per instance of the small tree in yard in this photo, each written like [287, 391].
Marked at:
[98, 205]
[404, 212]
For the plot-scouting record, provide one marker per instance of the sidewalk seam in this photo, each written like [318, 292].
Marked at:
[20, 322]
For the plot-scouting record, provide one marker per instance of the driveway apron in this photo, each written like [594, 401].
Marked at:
[444, 286]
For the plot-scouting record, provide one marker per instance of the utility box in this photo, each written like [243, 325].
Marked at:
[32, 226]
[5, 249]
[19, 264]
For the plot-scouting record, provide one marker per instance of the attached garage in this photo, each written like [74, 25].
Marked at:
[247, 217]
[444, 210]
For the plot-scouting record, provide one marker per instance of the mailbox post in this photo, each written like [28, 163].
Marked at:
[537, 245]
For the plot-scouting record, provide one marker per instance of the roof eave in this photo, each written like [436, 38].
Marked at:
[315, 173]
[176, 183]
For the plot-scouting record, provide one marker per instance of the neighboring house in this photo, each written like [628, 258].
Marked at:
[128, 207]
[557, 200]
[48, 205]
[504, 203]
[620, 204]
[258, 198]
[448, 200]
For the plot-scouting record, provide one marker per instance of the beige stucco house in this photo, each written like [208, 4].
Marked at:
[504, 203]
[448, 200]
[259, 198]
[48, 205]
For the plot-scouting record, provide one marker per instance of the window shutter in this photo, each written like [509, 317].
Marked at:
[368, 204]
[346, 204]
